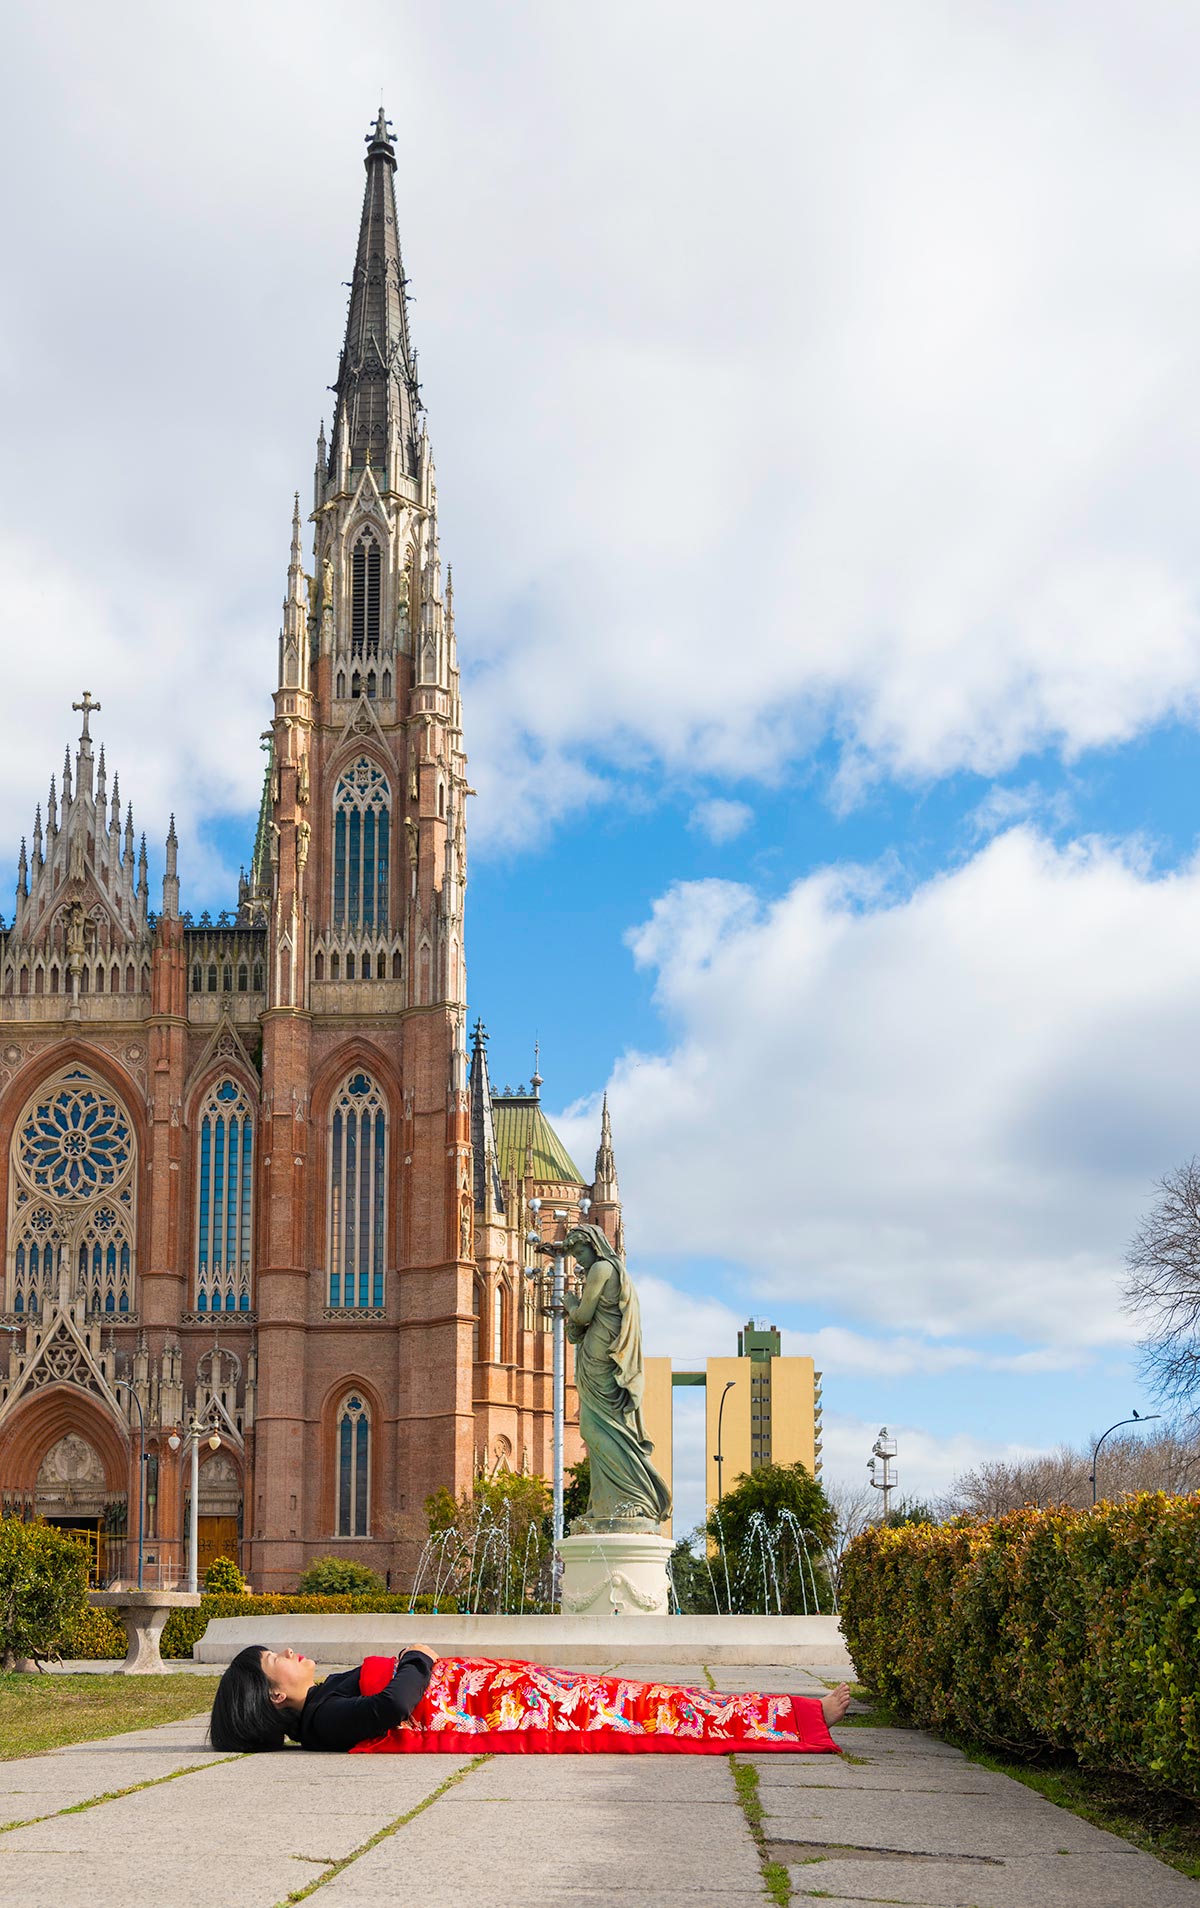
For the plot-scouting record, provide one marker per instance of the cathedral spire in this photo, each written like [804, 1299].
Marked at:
[170, 897]
[378, 400]
[293, 634]
[605, 1191]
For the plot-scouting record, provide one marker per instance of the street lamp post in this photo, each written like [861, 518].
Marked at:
[141, 1477]
[558, 1313]
[1137, 1418]
[718, 1458]
[192, 1436]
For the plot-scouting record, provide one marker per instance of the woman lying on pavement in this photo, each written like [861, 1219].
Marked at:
[418, 1702]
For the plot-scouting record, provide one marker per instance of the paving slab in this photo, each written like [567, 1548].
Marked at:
[901, 1775]
[1127, 1880]
[294, 1813]
[62, 1778]
[864, 1739]
[598, 1846]
[1015, 1821]
[618, 1781]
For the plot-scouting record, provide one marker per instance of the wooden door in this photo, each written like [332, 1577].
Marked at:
[216, 1537]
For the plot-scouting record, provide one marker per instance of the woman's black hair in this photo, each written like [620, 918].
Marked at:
[243, 1715]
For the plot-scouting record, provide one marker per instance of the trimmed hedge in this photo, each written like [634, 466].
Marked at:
[98, 1636]
[1066, 1630]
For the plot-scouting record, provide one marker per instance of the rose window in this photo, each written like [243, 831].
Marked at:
[76, 1144]
[72, 1200]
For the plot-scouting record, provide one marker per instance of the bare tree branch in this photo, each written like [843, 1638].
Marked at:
[1163, 1289]
[1166, 1460]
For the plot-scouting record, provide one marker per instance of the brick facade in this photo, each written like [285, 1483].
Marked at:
[248, 1171]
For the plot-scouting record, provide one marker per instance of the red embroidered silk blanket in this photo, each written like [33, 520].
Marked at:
[476, 1704]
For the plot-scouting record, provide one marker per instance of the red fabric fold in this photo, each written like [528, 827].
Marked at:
[484, 1705]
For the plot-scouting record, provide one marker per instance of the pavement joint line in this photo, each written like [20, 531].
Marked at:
[776, 1879]
[381, 1835]
[708, 1676]
[114, 1795]
[810, 1852]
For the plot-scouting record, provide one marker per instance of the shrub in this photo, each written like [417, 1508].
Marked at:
[95, 1636]
[339, 1577]
[1061, 1629]
[43, 1589]
[223, 1578]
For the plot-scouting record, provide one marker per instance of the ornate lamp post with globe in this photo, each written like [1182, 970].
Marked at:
[197, 1428]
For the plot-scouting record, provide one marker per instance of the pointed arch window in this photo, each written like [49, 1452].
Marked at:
[224, 1199]
[357, 1194]
[72, 1199]
[366, 584]
[361, 846]
[353, 1467]
[499, 1322]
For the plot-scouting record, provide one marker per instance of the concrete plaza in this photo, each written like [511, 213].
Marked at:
[909, 1820]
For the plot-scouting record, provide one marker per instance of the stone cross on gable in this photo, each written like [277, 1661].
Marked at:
[87, 707]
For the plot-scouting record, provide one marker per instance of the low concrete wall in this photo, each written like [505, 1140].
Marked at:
[564, 1641]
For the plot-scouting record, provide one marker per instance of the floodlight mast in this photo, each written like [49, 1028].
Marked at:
[883, 1454]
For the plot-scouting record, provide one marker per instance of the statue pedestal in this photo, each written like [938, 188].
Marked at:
[615, 1573]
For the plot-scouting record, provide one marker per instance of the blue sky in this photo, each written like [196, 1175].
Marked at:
[815, 400]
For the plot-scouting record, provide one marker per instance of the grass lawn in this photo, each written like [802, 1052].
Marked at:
[47, 1711]
[1165, 1825]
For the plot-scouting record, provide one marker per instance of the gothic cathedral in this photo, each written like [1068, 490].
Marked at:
[258, 1196]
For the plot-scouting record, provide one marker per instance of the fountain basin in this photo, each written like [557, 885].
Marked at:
[567, 1642]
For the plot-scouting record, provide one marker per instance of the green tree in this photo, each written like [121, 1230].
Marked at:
[691, 1576]
[339, 1577]
[770, 1535]
[494, 1545]
[577, 1488]
[43, 1589]
[911, 1510]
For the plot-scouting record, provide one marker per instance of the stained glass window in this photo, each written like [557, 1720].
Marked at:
[357, 1194]
[224, 1200]
[361, 847]
[353, 1467]
[72, 1210]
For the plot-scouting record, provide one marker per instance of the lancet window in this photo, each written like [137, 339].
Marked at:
[353, 1467]
[72, 1202]
[366, 582]
[224, 1199]
[361, 808]
[357, 1194]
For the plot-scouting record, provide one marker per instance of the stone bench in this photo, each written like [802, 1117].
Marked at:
[143, 1612]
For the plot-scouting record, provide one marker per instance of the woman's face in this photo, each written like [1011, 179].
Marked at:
[584, 1254]
[290, 1676]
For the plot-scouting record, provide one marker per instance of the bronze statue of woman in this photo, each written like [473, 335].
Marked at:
[604, 1323]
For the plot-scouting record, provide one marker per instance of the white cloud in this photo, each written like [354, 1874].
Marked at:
[1002, 807]
[926, 1465]
[721, 820]
[877, 412]
[935, 1114]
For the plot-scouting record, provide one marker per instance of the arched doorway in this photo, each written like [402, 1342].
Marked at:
[71, 1492]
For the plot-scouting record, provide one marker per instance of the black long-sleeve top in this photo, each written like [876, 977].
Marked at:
[336, 1715]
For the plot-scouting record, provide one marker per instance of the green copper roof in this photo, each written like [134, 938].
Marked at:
[521, 1124]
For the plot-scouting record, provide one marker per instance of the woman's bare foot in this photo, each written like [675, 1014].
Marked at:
[835, 1705]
